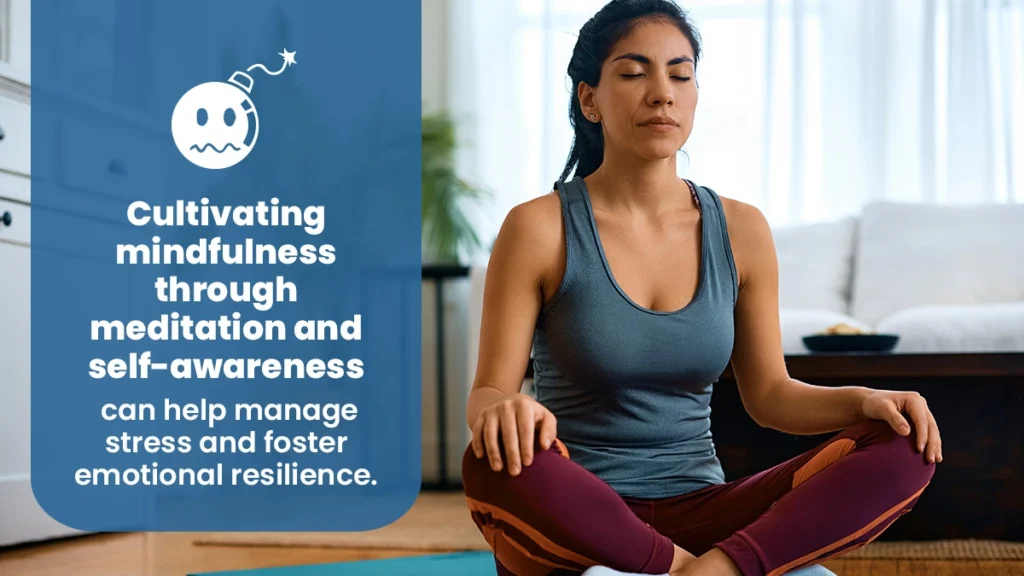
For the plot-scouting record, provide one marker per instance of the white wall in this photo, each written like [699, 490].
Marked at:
[436, 47]
[435, 54]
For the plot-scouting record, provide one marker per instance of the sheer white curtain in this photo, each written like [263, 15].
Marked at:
[808, 108]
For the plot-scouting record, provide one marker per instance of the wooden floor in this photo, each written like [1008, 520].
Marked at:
[173, 554]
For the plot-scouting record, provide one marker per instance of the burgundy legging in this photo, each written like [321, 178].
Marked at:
[558, 518]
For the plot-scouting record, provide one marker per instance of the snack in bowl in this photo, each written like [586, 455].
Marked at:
[843, 337]
[843, 328]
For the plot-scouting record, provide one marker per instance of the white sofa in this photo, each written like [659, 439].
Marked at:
[944, 278]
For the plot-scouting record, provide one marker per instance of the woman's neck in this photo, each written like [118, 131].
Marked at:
[646, 185]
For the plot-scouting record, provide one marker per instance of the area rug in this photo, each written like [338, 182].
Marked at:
[941, 550]
[437, 522]
[440, 522]
[459, 564]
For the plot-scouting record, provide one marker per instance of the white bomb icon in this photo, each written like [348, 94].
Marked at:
[215, 124]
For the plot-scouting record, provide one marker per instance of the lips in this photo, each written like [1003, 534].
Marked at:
[664, 121]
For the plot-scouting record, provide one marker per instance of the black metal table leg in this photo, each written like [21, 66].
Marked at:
[439, 274]
[442, 412]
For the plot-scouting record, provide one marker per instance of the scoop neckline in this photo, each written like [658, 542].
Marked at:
[701, 270]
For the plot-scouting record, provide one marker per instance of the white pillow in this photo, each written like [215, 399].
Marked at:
[951, 329]
[815, 262]
[924, 254]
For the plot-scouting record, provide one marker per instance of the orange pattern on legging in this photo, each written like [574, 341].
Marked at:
[494, 535]
[822, 459]
[823, 553]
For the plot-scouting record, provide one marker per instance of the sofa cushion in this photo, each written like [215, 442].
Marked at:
[977, 328]
[924, 254]
[815, 262]
[797, 323]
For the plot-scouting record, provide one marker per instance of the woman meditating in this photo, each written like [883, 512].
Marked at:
[635, 289]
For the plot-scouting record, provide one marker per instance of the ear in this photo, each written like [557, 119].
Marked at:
[586, 96]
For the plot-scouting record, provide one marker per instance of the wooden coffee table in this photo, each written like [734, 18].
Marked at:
[978, 402]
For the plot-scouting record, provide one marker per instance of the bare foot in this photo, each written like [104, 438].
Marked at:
[712, 563]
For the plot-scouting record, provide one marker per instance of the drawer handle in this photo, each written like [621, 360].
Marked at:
[7, 219]
[2, 133]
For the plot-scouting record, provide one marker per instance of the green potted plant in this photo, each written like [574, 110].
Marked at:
[449, 236]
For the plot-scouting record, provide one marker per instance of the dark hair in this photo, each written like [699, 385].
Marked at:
[595, 41]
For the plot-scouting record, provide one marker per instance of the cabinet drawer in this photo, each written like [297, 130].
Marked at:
[16, 144]
[19, 231]
[15, 187]
[14, 358]
[126, 165]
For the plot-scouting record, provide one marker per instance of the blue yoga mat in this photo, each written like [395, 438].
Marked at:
[458, 564]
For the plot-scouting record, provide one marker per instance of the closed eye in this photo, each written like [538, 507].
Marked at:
[678, 78]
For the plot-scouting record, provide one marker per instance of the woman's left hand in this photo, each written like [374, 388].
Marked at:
[891, 406]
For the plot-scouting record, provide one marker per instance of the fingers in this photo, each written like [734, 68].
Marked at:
[510, 439]
[918, 410]
[928, 440]
[547, 429]
[934, 440]
[525, 420]
[491, 442]
[897, 421]
[507, 434]
[478, 438]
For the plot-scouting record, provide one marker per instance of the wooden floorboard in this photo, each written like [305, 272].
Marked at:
[925, 567]
[161, 554]
[173, 554]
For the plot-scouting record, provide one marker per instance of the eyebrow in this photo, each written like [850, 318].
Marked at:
[645, 60]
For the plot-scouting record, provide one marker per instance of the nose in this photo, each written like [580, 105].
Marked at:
[660, 91]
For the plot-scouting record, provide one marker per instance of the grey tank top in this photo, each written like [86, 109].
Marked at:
[631, 387]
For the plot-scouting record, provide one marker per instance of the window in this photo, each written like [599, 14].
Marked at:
[746, 111]
[809, 109]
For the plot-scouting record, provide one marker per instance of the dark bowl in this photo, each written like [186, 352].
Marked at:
[851, 342]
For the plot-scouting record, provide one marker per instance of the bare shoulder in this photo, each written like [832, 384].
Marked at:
[535, 224]
[531, 239]
[745, 221]
[532, 220]
[749, 234]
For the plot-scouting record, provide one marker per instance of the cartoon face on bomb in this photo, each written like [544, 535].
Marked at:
[215, 124]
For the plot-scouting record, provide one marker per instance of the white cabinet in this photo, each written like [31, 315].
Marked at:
[15, 133]
[21, 518]
[15, 40]
[14, 363]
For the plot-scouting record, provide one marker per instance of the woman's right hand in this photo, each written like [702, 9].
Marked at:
[517, 418]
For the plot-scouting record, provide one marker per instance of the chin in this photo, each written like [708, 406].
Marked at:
[658, 150]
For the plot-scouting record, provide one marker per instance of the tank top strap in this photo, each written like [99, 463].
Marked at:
[581, 255]
[721, 266]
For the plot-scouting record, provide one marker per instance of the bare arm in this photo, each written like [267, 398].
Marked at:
[528, 259]
[770, 396]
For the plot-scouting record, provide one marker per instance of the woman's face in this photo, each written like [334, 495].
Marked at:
[646, 98]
